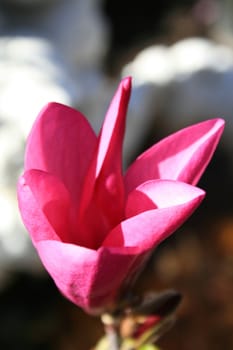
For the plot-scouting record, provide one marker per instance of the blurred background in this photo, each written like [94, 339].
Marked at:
[180, 54]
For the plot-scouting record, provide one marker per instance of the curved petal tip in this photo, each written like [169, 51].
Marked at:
[127, 83]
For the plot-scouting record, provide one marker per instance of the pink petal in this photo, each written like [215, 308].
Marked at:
[93, 279]
[181, 156]
[103, 190]
[44, 205]
[146, 227]
[113, 129]
[89, 278]
[61, 143]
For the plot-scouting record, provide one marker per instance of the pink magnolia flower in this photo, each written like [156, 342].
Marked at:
[92, 225]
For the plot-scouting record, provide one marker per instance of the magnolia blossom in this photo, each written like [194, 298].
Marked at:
[93, 226]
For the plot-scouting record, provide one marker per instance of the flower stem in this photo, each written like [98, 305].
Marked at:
[111, 326]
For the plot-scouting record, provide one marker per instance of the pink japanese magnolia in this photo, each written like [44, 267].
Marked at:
[92, 225]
